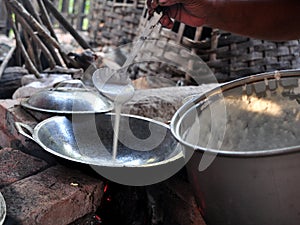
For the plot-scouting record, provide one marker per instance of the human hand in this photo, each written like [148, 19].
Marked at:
[269, 19]
[190, 12]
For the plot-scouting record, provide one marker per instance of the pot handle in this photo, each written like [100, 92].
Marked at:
[21, 127]
[70, 83]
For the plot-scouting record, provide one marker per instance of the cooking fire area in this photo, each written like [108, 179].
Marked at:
[106, 117]
[40, 188]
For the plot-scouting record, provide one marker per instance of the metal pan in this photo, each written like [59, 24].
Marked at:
[68, 97]
[146, 148]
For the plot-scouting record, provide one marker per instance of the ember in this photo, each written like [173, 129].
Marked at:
[123, 205]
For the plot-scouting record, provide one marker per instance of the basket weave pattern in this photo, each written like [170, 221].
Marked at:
[231, 56]
[234, 56]
[114, 22]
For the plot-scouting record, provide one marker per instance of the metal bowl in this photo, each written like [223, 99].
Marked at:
[147, 151]
[68, 97]
[2, 209]
[242, 184]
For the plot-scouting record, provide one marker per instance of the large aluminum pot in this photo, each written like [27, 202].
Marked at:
[245, 169]
[147, 151]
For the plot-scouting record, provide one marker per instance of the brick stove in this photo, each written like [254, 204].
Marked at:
[41, 189]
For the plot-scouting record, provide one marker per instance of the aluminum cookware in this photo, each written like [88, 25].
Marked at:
[68, 97]
[146, 147]
[256, 183]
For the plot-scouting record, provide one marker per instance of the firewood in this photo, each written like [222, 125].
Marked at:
[30, 49]
[29, 7]
[66, 25]
[6, 60]
[19, 9]
[46, 19]
[20, 45]
[38, 41]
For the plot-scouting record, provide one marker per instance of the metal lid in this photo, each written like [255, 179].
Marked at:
[64, 98]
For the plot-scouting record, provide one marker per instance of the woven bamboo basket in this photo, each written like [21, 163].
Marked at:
[114, 22]
[231, 56]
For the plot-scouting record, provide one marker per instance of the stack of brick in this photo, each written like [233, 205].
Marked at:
[36, 189]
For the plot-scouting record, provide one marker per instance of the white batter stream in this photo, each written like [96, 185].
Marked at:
[116, 85]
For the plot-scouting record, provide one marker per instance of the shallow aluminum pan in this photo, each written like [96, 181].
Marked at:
[67, 99]
[146, 148]
[2, 209]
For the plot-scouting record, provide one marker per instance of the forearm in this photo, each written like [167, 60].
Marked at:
[265, 19]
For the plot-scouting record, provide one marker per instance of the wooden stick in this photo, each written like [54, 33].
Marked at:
[48, 40]
[66, 25]
[32, 21]
[29, 48]
[67, 60]
[38, 41]
[29, 7]
[28, 62]
[29, 45]
[6, 60]
[46, 19]
[52, 51]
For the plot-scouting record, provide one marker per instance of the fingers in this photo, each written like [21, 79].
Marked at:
[150, 7]
[168, 2]
[180, 14]
[153, 4]
[173, 11]
[166, 21]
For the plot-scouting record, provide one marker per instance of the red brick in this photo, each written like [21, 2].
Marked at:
[10, 112]
[58, 195]
[5, 139]
[5, 105]
[16, 165]
[17, 113]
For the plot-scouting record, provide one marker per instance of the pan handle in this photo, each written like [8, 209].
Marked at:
[21, 127]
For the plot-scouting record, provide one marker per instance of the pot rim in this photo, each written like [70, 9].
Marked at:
[184, 109]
